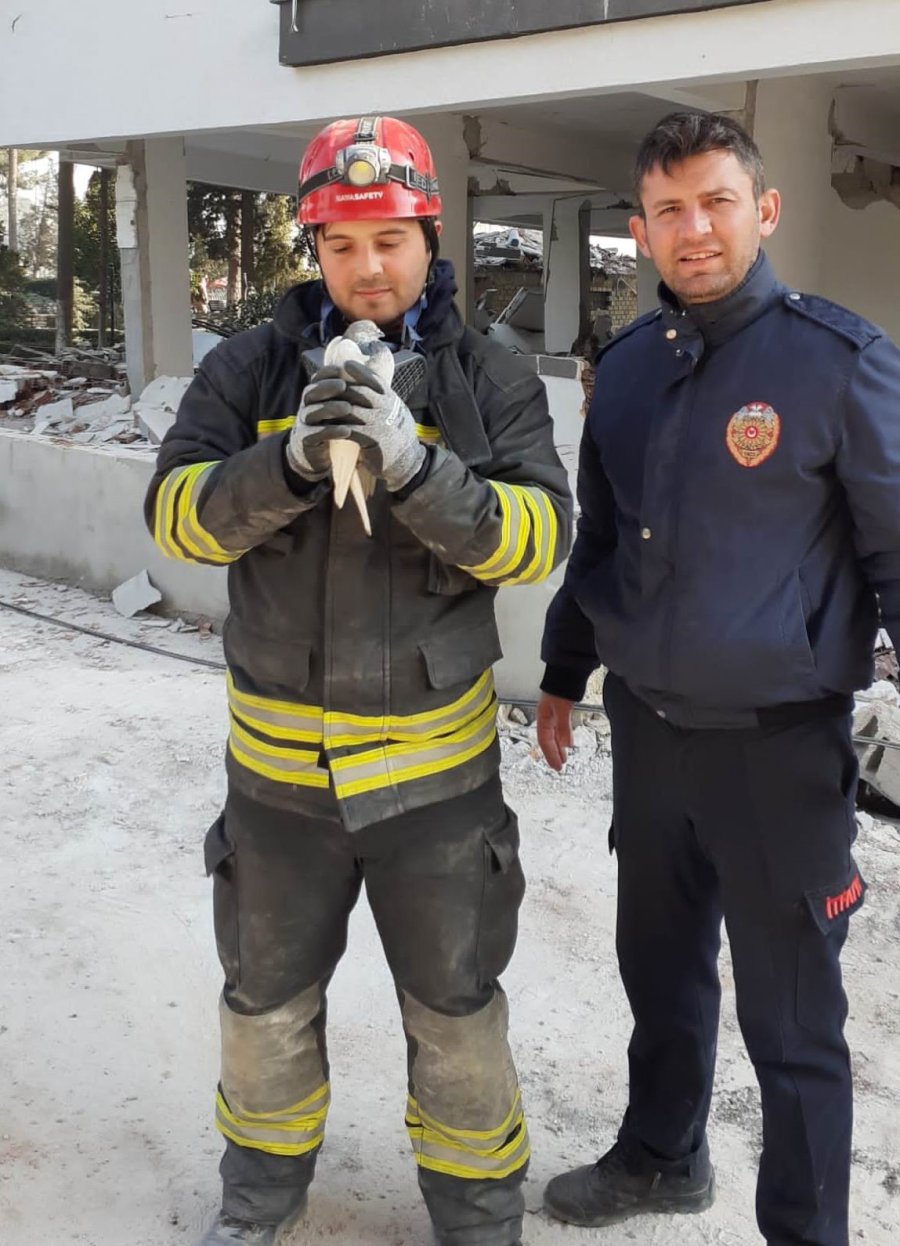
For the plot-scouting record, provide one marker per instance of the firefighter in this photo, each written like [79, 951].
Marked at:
[363, 745]
[739, 483]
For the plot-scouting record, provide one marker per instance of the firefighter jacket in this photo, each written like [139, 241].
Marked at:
[360, 668]
[739, 484]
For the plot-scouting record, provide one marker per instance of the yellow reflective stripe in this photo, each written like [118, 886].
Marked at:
[265, 428]
[283, 765]
[287, 1136]
[551, 537]
[437, 1159]
[488, 1136]
[541, 530]
[537, 539]
[506, 499]
[366, 772]
[523, 533]
[191, 528]
[436, 1151]
[181, 507]
[165, 514]
[546, 536]
[316, 1102]
[346, 729]
[285, 719]
[178, 530]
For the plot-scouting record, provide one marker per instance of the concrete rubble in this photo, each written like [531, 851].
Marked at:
[86, 402]
[156, 408]
[135, 594]
[876, 717]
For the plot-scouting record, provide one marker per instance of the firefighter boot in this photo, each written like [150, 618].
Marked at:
[228, 1231]
[621, 1185]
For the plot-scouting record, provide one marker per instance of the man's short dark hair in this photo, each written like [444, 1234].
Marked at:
[681, 135]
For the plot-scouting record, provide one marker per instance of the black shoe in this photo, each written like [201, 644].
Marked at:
[617, 1187]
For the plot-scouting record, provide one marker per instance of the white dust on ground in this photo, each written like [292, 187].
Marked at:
[112, 771]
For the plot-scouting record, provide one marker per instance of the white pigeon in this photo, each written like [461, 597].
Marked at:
[361, 343]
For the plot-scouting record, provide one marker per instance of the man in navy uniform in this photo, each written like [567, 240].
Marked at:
[739, 485]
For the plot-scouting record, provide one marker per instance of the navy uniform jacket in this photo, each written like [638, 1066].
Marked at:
[739, 485]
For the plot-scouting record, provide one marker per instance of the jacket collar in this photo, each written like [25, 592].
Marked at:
[299, 316]
[720, 320]
[306, 311]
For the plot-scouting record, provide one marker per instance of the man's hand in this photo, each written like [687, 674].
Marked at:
[554, 729]
[320, 420]
[383, 425]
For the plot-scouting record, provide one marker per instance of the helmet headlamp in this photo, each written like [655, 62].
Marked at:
[363, 163]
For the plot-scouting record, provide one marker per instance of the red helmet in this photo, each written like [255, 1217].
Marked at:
[367, 169]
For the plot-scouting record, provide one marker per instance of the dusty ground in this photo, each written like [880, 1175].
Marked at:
[108, 1045]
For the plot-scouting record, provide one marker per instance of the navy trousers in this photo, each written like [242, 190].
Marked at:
[754, 826]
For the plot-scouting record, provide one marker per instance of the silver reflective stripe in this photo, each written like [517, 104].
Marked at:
[294, 1131]
[284, 765]
[286, 719]
[468, 1155]
[401, 763]
[346, 729]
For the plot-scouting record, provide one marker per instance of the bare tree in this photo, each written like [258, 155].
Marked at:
[65, 269]
[233, 247]
[103, 288]
[12, 183]
[248, 226]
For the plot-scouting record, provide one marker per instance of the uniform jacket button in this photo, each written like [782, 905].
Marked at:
[646, 533]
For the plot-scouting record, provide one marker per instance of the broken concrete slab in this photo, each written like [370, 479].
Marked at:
[154, 422]
[879, 763]
[135, 594]
[166, 392]
[113, 407]
[9, 391]
[155, 409]
[53, 414]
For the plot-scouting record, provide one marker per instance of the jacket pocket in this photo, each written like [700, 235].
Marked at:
[819, 994]
[267, 658]
[221, 863]
[462, 655]
[793, 626]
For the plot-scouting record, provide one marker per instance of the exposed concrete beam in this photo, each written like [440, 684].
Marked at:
[715, 97]
[545, 150]
[865, 123]
[493, 180]
[607, 215]
[241, 172]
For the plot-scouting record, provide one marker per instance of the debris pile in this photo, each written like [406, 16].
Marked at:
[82, 397]
[524, 249]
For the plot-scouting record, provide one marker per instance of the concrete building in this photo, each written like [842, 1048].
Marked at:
[534, 130]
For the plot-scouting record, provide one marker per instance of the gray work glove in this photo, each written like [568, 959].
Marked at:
[318, 422]
[373, 416]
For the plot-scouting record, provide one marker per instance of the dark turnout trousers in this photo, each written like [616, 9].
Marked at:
[444, 884]
[754, 825]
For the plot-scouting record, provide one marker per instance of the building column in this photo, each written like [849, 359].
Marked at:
[444, 135]
[152, 230]
[647, 285]
[567, 273]
[791, 129]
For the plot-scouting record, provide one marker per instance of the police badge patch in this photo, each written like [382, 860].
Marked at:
[752, 434]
